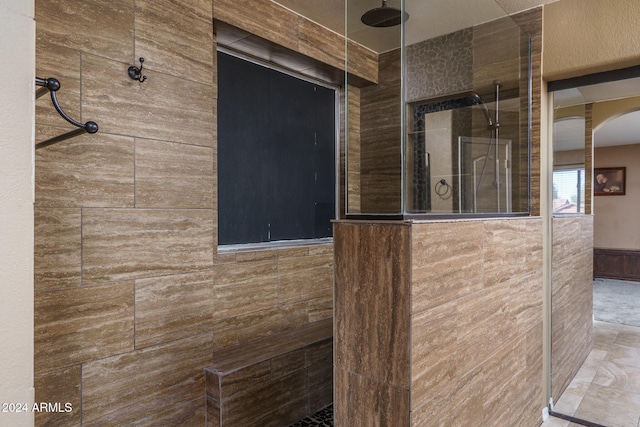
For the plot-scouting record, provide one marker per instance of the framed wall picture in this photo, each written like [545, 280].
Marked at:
[610, 181]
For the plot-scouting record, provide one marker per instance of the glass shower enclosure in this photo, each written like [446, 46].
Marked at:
[445, 130]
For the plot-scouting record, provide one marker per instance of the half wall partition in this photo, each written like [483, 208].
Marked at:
[446, 129]
[439, 322]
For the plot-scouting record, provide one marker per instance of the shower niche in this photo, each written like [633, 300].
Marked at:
[446, 129]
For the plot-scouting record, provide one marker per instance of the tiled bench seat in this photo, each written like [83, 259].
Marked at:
[272, 381]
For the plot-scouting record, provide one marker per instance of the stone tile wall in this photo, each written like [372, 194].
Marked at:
[439, 321]
[571, 298]
[131, 294]
[476, 352]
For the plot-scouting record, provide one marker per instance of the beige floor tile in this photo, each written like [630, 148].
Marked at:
[620, 377]
[606, 389]
[624, 355]
[610, 407]
[628, 336]
[604, 334]
[570, 401]
[555, 422]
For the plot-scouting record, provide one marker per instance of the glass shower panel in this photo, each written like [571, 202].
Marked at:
[467, 92]
[445, 129]
[569, 133]
[374, 113]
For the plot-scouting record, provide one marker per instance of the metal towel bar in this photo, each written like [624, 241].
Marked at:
[52, 85]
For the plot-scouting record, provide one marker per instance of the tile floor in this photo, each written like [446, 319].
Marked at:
[606, 389]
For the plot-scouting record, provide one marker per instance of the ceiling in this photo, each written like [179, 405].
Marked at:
[621, 130]
[432, 18]
[427, 18]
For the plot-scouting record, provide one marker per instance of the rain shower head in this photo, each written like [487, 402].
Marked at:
[477, 100]
[383, 16]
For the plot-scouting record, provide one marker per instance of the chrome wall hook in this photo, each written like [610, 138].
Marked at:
[136, 73]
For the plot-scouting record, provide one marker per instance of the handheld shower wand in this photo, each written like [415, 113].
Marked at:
[477, 100]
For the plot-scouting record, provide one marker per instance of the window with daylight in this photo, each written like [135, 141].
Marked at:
[276, 154]
[568, 191]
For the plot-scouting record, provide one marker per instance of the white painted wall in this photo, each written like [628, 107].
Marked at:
[17, 73]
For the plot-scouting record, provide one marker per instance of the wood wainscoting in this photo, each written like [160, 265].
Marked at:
[616, 264]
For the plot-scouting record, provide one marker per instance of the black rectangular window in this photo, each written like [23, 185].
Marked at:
[276, 154]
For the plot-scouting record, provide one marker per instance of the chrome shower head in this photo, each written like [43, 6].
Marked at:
[383, 16]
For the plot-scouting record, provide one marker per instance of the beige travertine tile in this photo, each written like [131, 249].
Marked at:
[504, 237]
[86, 171]
[362, 402]
[80, 324]
[458, 405]
[57, 248]
[280, 402]
[372, 301]
[263, 18]
[224, 257]
[446, 263]
[320, 378]
[500, 32]
[163, 108]
[171, 175]
[213, 412]
[256, 255]
[484, 324]
[134, 243]
[433, 351]
[124, 388]
[173, 307]
[271, 321]
[303, 278]
[586, 231]
[321, 249]
[571, 341]
[95, 26]
[571, 277]
[505, 385]
[241, 381]
[380, 157]
[176, 38]
[533, 371]
[287, 363]
[59, 386]
[244, 287]
[533, 242]
[182, 415]
[316, 42]
[565, 230]
[224, 333]
[362, 62]
[526, 300]
[63, 64]
[321, 308]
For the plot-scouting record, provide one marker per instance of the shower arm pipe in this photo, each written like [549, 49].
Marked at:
[52, 85]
